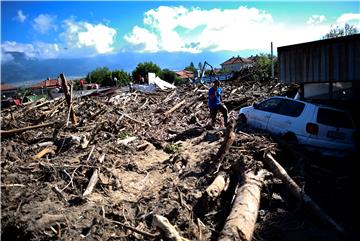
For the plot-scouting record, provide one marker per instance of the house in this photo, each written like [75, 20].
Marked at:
[48, 83]
[7, 90]
[237, 64]
[185, 74]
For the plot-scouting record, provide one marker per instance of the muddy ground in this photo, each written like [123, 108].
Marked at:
[149, 163]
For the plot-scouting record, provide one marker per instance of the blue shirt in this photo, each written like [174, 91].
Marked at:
[216, 100]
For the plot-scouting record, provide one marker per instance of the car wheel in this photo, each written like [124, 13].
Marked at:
[242, 119]
[290, 138]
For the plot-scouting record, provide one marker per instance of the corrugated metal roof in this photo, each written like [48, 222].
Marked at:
[329, 60]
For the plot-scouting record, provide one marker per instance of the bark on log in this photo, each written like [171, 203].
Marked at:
[68, 98]
[217, 186]
[92, 183]
[228, 141]
[20, 130]
[168, 229]
[296, 191]
[240, 223]
[167, 113]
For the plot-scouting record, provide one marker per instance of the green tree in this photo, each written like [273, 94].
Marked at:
[191, 67]
[337, 31]
[168, 75]
[142, 70]
[122, 77]
[101, 76]
[261, 70]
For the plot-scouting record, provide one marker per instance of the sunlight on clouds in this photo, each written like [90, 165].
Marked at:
[44, 22]
[350, 18]
[316, 19]
[143, 38]
[195, 30]
[84, 34]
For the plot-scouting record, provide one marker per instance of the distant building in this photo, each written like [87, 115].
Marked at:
[49, 83]
[7, 90]
[185, 74]
[237, 63]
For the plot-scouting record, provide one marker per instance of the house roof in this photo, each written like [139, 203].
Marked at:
[184, 74]
[238, 59]
[46, 83]
[5, 87]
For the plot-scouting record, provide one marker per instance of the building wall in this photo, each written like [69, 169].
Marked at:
[330, 60]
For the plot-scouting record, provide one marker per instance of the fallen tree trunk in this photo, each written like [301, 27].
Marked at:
[68, 98]
[217, 186]
[228, 141]
[177, 106]
[296, 191]
[20, 130]
[240, 224]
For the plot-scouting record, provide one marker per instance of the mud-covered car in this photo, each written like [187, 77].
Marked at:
[328, 130]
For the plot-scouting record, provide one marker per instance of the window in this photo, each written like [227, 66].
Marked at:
[269, 105]
[334, 118]
[290, 108]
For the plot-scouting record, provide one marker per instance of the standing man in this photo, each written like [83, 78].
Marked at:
[215, 103]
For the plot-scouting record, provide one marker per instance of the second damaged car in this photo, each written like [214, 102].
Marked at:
[327, 130]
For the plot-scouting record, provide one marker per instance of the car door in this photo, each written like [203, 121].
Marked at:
[285, 116]
[262, 112]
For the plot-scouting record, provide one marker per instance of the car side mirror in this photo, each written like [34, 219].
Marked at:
[255, 105]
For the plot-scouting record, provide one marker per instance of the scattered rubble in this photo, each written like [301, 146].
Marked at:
[145, 166]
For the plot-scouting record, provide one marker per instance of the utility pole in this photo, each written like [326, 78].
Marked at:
[272, 61]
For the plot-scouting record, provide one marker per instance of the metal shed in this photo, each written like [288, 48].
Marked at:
[329, 60]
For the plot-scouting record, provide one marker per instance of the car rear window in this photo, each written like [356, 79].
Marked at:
[334, 118]
[290, 108]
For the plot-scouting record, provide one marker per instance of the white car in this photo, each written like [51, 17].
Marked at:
[329, 130]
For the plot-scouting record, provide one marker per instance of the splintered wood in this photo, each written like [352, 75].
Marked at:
[137, 166]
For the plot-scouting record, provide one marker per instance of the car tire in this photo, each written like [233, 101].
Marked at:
[290, 138]
[242, 119]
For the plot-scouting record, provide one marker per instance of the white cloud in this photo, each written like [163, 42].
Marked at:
[350, 18]
[316, 19]
[39, 50]
[139, 35]
[44, 22]
[197, 30]
[84, 34]
[20, 16]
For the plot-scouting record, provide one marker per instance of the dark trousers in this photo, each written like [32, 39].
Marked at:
[213, 113]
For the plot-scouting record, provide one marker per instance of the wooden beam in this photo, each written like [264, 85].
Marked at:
[68, 98]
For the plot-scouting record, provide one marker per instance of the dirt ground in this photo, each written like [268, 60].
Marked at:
[148, 163]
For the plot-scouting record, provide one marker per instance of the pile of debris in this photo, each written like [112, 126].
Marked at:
[142, 166]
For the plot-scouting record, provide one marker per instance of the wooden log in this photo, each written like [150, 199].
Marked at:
[168, 229]
[177, 106]
[92, 183]
[297, 192]
[228, 141]
[241, 221]
[217, 186]
[68, 98]
[20, 130]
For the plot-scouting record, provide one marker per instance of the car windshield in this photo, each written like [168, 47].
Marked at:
[335, 118]
[269, 105]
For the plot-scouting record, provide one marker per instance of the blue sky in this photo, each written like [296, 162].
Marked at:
[64, 29]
